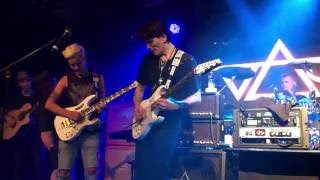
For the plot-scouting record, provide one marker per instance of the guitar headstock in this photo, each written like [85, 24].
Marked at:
[207, 66]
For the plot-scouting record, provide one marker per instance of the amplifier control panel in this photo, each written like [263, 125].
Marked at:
[270, 132]
[259, 128]
[264, 118]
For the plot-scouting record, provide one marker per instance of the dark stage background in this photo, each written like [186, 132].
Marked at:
[236, 31]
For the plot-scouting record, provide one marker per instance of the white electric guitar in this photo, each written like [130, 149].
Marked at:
[141, 129]
[67, 129]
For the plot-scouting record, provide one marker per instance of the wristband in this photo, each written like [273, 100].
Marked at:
[182, 105]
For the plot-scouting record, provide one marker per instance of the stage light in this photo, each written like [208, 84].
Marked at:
[174, 28]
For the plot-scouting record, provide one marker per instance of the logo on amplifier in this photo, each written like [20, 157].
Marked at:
[260, 132]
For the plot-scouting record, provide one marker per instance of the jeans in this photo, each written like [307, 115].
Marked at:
[88, 143]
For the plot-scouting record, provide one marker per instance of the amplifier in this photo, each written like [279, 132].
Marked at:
[201, 164]
[211, 107]
[203, 133]
[259, 129]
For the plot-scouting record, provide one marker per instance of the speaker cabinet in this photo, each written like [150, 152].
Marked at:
[207, 133]
[203, 165]
[119, 163]
[204, 133]
[118, 125]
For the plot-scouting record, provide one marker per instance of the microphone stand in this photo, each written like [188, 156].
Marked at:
[28, 55]
[232, 79]
[242, 107]
[8, 76]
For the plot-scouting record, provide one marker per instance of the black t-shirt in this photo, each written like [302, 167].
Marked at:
[40, 118]
[45, 118]
[163, 137]
[19, 100]
[150, 73]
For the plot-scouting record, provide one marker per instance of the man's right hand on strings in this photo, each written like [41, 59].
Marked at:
[139, 113]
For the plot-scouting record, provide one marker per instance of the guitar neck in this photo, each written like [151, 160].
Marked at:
[111, 97]
[200, 69]
[178, 84]
[116, 94]
[119, 93]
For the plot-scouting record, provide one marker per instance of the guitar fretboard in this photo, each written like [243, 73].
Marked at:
[110, 98]
[120, 92]
[200, 69]
[179, 84]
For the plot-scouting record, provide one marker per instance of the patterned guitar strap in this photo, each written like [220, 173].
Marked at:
[95, 78]
[174, 65]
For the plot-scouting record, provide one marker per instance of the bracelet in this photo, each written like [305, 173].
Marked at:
[182, 105]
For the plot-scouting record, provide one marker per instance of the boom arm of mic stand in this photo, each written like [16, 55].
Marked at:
[27, 56]
[232, 79]
[242, 108]
[8, 76]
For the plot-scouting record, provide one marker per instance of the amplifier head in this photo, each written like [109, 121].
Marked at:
[211, 106]
[204, 133]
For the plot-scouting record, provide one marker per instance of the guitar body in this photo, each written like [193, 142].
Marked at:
[67, 129]
[141, 129]
[15, 119]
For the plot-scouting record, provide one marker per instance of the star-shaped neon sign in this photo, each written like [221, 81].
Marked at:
[262, 69]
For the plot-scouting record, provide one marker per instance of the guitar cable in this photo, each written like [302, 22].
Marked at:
[214, 141]
[131, 124]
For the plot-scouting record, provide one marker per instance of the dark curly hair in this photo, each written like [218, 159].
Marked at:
[152, 29]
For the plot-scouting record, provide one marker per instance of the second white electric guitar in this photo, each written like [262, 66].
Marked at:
[141, 129]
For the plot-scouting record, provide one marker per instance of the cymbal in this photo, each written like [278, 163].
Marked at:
[235, 72]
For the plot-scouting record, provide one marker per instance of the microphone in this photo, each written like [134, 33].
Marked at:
[58, 42]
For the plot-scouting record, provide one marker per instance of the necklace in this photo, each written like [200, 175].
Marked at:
[162, 64]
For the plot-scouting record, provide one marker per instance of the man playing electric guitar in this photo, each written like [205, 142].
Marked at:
[154, 153]
[77, 85]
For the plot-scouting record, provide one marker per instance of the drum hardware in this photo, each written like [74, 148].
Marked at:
[305, 62]
[315, 101]
[312, 104]
[284, 97]
[233, 73]
[314, 138]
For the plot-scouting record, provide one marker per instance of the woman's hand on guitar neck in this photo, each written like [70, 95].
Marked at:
[100, 106]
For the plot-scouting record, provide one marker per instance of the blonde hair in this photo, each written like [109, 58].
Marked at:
[73, 50]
